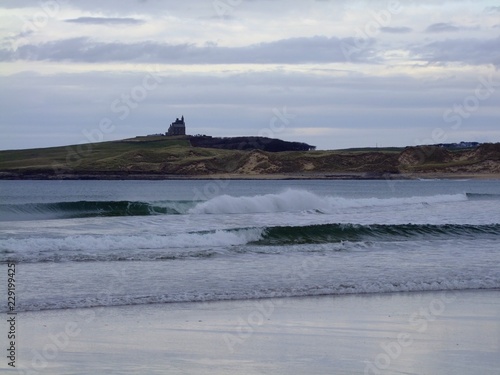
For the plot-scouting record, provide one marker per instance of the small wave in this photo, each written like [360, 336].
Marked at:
[119, 248]
[300, 200]
[82, 209]
[112, 256]
[332, 289]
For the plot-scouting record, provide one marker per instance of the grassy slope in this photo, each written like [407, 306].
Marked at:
[105, 156]
[175, 156]
[172, 155]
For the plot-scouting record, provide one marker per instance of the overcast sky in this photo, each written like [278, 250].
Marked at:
[334, 74]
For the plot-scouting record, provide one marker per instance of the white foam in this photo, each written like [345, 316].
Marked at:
[103, 243]
[383, 202]
[300, 200]
[250, 294]
[290, 200]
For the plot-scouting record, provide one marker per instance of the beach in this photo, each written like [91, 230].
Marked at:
[238, 187]
[267, 277]
[453, 332]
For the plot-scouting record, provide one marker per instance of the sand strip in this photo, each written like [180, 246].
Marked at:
[410, 333]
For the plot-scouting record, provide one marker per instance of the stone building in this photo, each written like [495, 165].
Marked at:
[178, 127]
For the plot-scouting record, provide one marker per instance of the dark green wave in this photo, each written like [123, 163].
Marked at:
[80, 209]
[331, 233]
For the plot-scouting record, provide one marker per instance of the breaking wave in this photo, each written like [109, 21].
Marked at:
[288, 201]
[301, 200]
[211, 243]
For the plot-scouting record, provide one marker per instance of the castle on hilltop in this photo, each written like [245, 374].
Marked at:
[178, 127]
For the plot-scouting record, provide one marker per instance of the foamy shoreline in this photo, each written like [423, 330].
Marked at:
[430, 332]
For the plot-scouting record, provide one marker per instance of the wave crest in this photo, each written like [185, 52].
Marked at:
[300, 200]
[203, 244]
[291, 200]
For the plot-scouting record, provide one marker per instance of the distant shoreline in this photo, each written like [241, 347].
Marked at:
[167, 158]
[291, 176]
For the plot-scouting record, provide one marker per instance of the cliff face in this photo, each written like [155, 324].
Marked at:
[163, 158]
[483, 159]
[257, 162]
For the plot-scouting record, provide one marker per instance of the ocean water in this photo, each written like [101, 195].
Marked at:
[111, 243]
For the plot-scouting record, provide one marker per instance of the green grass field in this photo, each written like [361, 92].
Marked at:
[97, 156]
[137, 154]
[172, 156]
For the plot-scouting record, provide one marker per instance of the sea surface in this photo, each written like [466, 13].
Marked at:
[111, 243]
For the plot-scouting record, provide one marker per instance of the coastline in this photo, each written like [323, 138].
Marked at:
[280, 176]
[165, 159]
[420, 332]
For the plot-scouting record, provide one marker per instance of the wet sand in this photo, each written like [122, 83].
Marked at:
[410, 333]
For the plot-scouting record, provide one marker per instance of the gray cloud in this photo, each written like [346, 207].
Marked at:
[318, 49]
[106, 21]
[61, 106]
[114, 8]
[441, 27]
[396, 30]
[54, 108]
[469, 51]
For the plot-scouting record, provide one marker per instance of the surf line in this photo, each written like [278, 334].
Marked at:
[11, 313]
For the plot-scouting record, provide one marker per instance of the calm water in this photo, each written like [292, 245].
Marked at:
[107, 243]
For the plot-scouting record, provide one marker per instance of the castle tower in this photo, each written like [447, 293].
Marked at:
[178, 127]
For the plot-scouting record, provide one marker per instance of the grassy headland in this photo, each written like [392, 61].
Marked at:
[175, 157]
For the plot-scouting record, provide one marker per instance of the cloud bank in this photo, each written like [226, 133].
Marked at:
[353, 73]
